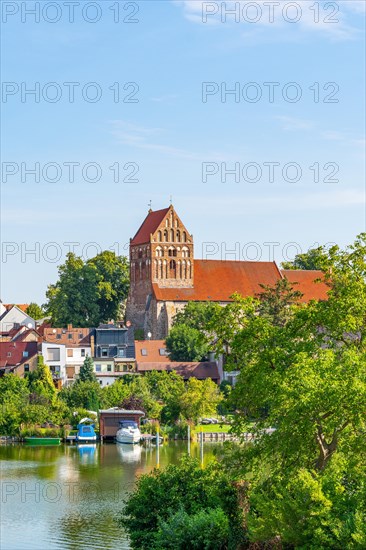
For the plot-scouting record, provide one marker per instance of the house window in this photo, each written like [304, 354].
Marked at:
[80, 335]
[69, 336]
[121, 352]
[98, 368]
[144, 351]
[162, 351]
[8, 354]
[104, 352]
[109, 368]
[70, 353]
[58, 336]
[53, 354]
[125, 368]
[26, 367]
[82, 352]
[25, 354]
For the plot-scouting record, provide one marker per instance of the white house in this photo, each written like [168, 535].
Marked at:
[54, 356]
[15, 317]
[108, 370]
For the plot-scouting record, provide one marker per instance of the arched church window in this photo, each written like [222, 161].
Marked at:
[159, 236]
[178, 236]
[172, 235]
[140, 253]
[173, 269]
[166, 235]
[184, 237]
[184, 270]
[167, 223]
[156, 269]
[161, 269]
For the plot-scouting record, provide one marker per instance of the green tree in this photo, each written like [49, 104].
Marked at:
[14, 396]
[41, 381]
[314, 259]
[168, 388]
[114, 282]
[164, 498]
[185, 343]
[201, 398]
[82, 395]
[196, 315]
[88, 293]
[114, 394]
[35, 311]
[87, 371]
[276, 301]
[308, 373]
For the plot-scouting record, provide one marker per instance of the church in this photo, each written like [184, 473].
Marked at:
[164, 276]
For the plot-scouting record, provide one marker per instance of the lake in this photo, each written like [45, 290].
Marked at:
[70, 496]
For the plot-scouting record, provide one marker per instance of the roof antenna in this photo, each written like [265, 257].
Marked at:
[149, 205]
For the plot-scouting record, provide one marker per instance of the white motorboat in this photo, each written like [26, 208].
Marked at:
[128, 432]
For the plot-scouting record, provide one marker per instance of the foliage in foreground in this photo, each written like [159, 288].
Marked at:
[183, 506]
[303, 374]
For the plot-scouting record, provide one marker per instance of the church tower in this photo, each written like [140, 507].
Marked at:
[161, 255]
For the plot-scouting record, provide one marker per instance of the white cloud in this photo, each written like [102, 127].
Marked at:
[292, 123]
[331, 20]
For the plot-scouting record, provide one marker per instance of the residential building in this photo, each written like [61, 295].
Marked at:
[77, 342]
[15, 317]
[112, 341]
[200, 370]
[18, 358]
[108, 370]
[151, 355]
[54, 356]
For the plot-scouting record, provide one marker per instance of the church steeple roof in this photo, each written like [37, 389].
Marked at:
[149, 225]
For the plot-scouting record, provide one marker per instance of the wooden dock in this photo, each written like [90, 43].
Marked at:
[222, 436]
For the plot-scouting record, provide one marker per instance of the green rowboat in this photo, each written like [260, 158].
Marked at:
[42, 440]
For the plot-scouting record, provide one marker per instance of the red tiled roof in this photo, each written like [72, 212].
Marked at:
[203, 370]
[152, 348]
[149, 225]
[79, 336]
[16, 350]
[307, 283]
[23, 307]
[217, 280]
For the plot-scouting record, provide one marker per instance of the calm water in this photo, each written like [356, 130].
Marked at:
[69, 497]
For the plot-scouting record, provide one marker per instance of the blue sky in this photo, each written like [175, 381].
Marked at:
[170, 132]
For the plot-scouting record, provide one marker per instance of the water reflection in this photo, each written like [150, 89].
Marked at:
[71, 496]
[88, 454]
[129, 453]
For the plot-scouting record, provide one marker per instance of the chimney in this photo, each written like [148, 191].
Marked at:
[69, 327]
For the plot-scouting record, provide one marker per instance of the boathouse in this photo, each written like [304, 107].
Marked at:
[109, 420]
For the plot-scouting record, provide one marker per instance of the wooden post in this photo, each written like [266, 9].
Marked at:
[201, 448]
[157, 449]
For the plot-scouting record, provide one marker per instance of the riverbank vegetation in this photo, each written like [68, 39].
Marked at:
[302, 483]
[27, 404]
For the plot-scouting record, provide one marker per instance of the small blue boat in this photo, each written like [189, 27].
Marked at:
[86, 433]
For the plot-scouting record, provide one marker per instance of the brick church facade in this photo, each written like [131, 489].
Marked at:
[164, 276]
